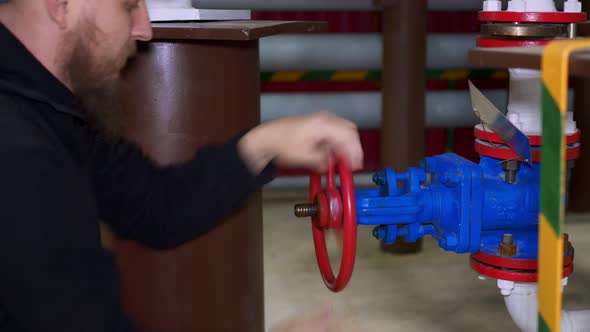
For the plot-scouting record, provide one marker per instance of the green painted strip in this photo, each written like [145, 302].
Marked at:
[318, 76]
[375, 75]
[450, 139]
[434, 74]
[551, 163]
[543, 327]
[266, 76]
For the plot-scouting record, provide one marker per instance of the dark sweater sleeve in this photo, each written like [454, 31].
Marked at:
[55, 274]
[164, 207]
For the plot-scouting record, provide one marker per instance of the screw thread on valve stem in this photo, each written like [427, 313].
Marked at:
[306, 210]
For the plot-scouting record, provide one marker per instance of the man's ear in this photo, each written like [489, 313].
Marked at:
[58, 11]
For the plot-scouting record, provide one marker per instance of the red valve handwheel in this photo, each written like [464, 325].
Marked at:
[336, 211]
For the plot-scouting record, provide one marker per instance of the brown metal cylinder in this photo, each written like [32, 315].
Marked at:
[182, 94]
[404, 88]
[578, 193]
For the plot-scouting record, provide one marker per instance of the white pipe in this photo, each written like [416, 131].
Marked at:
[443, 108]
[575, 320]
[463, 5]
[355, 51]
[362, 180]
[522, 305]
[524, 102]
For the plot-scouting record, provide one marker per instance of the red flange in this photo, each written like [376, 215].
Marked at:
[534, 140]
[511, 274]
[504, 153]
[531, 17]
[518, 270]
[516, 264]
[501, 42]
[336, 211]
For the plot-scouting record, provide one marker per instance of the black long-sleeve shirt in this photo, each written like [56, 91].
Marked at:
[58, 179]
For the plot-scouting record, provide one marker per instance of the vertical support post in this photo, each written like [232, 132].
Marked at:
[403, 90]
[555, 69]
[192, 85]
[578, 194]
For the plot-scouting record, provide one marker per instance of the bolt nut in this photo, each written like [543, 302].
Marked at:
[379, 233]
[567, 245]
[507, 248]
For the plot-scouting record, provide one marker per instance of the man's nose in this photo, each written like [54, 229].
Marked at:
[142, 27]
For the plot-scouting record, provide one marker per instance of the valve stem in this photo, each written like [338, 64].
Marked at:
[306, 210]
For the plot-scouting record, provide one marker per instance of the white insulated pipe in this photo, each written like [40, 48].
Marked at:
[291, 5]
[521, 303]
[443, 108]
[355, 51]
[300, 182]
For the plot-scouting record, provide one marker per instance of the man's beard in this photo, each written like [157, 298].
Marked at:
[96, 84]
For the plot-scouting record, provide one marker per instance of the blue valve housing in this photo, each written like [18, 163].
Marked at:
[467, 207]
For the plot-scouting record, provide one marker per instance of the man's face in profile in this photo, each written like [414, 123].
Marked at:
[94, 53]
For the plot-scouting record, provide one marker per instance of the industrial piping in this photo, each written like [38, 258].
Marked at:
[444, 109]
[463, 5]
[334, 51]
[522, 304]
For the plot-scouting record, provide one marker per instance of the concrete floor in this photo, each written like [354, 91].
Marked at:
[431, 291]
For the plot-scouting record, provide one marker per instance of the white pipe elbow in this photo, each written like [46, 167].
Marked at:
[521, 302]
[575, 320]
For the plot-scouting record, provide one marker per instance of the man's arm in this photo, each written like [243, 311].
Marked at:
[165, 207]
[55, 275]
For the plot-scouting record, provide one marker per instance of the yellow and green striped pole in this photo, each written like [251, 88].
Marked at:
[555, 65]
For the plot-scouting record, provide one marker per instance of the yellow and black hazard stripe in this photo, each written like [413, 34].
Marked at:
[554, 68]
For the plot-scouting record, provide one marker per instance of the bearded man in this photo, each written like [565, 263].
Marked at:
[64, 166]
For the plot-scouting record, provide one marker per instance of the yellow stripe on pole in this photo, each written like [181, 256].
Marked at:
[555, 71]
[551, 253]
[287, 76]
[350, 75]
[455, 75]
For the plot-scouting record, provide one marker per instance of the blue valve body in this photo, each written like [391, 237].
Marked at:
[465, 206]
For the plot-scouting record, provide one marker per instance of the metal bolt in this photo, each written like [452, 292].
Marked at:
[511, 167]
[507, 248]
[380, 179]
[567, 245]
[507, 239]
[572, 30]
[379, 233]
[306, 210]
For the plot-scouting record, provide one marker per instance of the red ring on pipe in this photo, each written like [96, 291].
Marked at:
[505, 153]
[511, 275]
[500, 42]
[531, 17]
[535, 140]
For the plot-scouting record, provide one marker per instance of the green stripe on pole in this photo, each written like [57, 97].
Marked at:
[434, 74]
[266, 76]
[450, 139]
[374, 75]
[543, 327]
[551, 161]
[317, 76]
